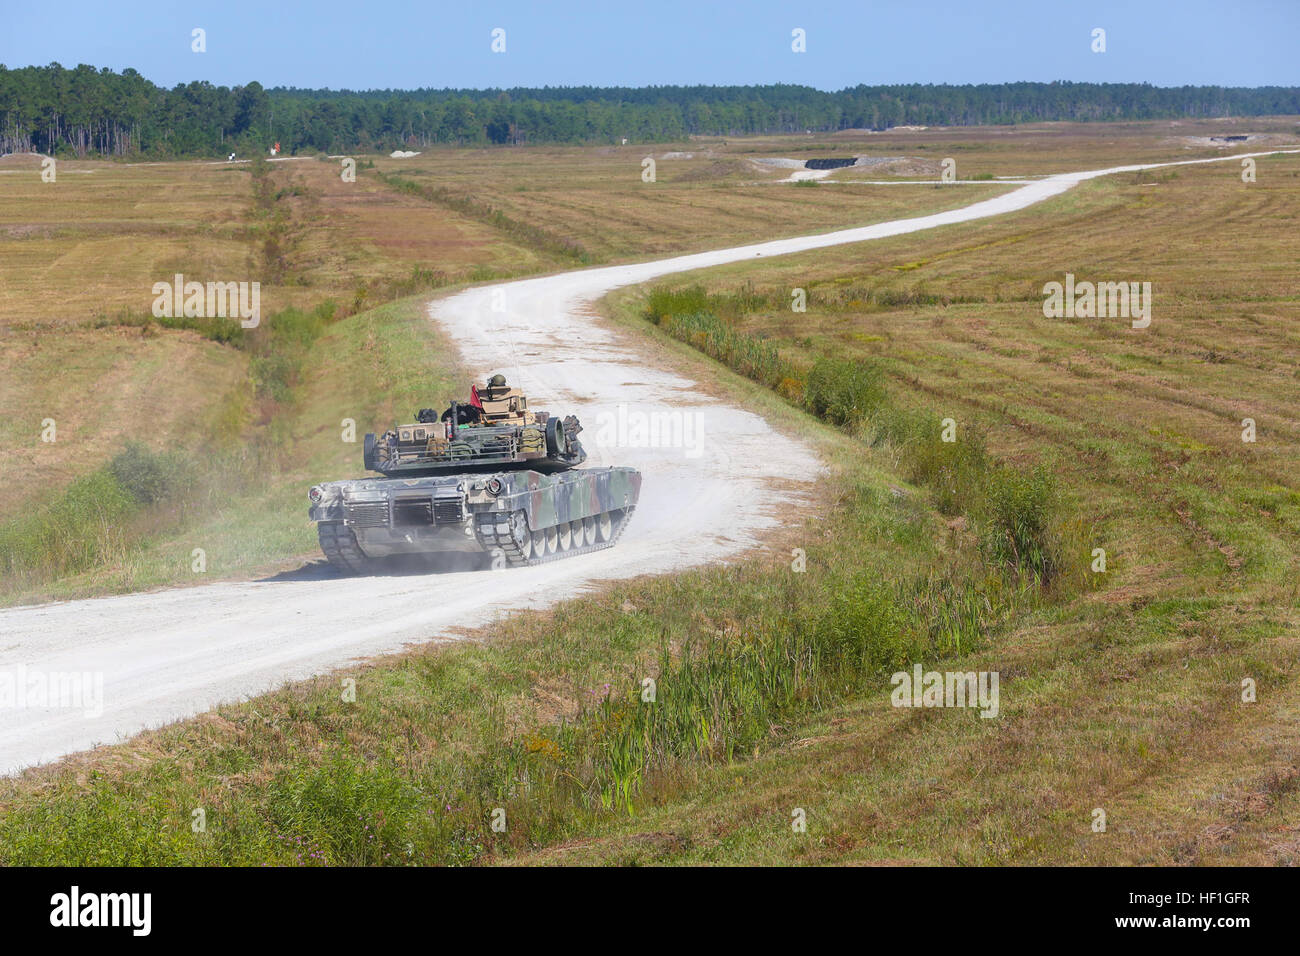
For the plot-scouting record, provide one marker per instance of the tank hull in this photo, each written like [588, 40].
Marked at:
[517, 517]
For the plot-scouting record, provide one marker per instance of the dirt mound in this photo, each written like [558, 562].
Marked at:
[776, 162]
[718, 169]
[1225, 140]
[898, 165]
[21, 160]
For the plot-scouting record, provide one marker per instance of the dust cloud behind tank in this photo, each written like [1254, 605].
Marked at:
[488, 476]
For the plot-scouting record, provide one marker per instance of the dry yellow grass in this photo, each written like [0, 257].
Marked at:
[706, 195]
[97, 238]
[102, 388]
[1127, 698]
[94, 242]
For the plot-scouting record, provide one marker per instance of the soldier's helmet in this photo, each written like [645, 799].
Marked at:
[497, 381]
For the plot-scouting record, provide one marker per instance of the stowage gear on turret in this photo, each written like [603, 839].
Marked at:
[488, 474]
[494, 429]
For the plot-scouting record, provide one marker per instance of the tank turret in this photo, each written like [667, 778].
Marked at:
[493, 430]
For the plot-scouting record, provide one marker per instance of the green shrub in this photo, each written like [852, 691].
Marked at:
[147, 476]
[343, 813]
[866, 629]
[842, 392]
[81, 527]
[953, 470]
[749, 356]
[280, 345]
[89, 522]
[663, 303]
[1017, 521]
[716, 701]
[892, 425]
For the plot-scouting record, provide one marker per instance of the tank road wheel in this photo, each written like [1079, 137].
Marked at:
[340, 548]
[501, 534]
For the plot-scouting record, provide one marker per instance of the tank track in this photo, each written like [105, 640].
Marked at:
[339, 545]
[493, 532]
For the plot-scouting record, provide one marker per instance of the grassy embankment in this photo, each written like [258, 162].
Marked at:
[239, 494]
[233, 424]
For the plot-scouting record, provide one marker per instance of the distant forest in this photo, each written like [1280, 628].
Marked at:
[83, 111]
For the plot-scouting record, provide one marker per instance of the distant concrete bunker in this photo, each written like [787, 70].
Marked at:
[830, 163]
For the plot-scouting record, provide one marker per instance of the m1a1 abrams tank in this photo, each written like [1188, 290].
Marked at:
[488, 475]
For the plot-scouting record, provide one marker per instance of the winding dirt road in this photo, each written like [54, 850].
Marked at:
[170, 654]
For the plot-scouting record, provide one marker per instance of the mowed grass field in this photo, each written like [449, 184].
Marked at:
[78, 260]
[79, 257]
[1126, 698]
[92, 244]
[102, 388]
[97, 239]
[1124, 694]
[1035, 149]
[706, 195]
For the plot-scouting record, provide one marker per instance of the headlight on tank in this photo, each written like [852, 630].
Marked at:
[494, 486]
[316, 494]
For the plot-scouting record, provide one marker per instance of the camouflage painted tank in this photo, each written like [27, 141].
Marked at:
[489, 475]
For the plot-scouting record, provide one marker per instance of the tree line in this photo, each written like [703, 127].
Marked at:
[82, 111]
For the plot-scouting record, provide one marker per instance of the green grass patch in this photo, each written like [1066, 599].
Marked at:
[1018, 513]
[240, 494]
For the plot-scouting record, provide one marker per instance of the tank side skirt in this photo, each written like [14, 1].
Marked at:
[493, 532]
[546, 500]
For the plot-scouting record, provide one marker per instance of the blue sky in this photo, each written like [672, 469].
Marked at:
[403, 44]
